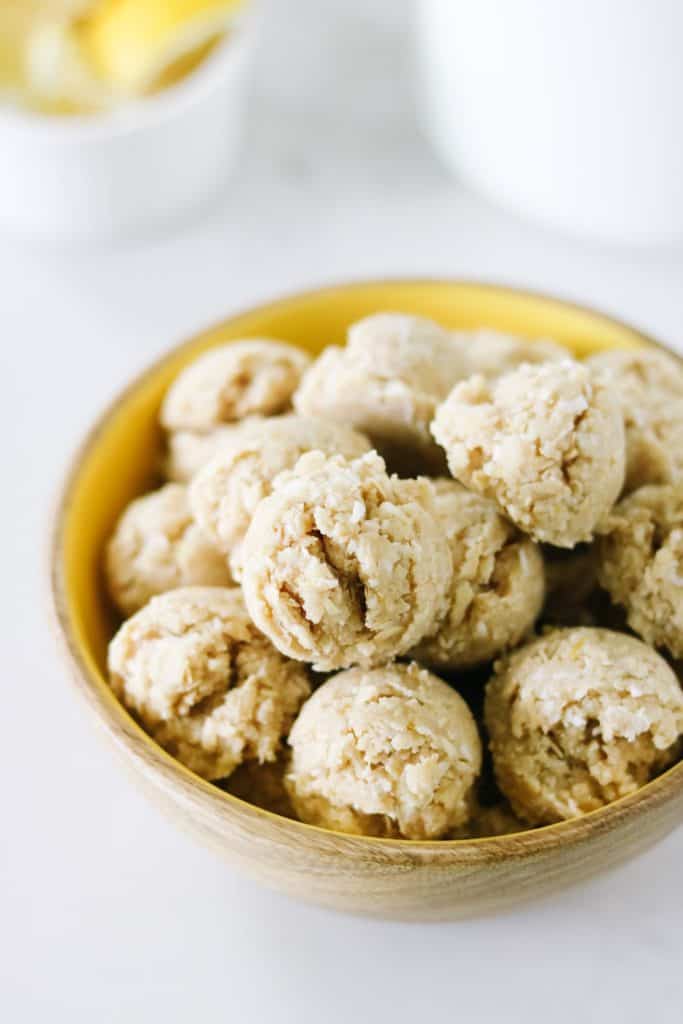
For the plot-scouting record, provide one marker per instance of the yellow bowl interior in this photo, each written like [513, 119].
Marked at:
[119, 459]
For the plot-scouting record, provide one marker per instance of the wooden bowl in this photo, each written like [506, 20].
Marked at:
[382, 877]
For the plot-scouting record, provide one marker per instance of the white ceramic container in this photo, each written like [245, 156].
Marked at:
[570, 113]
[131, 169]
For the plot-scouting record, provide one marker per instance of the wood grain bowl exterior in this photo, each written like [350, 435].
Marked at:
[383, 878]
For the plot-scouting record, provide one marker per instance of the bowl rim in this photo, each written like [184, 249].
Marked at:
[137, 115]
[139, 746]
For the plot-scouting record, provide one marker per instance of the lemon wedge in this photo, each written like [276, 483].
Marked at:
[137, 46]
[59, 80]
[17, 21]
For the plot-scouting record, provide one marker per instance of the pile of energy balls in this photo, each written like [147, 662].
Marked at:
[366, 568]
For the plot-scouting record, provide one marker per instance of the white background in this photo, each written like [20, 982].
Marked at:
[107, 913]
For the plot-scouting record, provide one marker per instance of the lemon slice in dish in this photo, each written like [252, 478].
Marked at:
[138, 46]
[15, 25]
[56, 77]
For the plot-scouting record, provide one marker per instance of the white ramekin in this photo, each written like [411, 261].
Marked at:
[570, 113]
[132, 169]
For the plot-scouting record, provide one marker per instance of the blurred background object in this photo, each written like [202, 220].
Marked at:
[85, 56]
[150, 94]
[570, 113]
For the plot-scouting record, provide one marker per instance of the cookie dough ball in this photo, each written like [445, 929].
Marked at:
[344, 565]
[242, 378]
[492, 353]
[157, 546]
[187, 451]
[225, 494]
[390, 752]
[498, 582]
[578, 718]
[205, 684]
[650, 385]
[387, 383]
[641, 563]
[546, 442]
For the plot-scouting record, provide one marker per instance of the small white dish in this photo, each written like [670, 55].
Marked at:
[568, 113]
[131, 169]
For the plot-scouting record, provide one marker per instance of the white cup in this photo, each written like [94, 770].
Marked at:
[127, 170]
[568, 112]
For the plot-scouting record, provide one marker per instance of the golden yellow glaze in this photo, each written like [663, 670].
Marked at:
[384, 877]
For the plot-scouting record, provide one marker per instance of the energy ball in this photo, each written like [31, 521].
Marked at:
[226, 492]
[650, 385]
[578, 718]
[546, 442]
[202, 680]
[243, 378]
[641, 563]
[492, 353]
[344, 565]
[387, 383]
[157, 546]
[188, 451]
[390, 752]
[498, 582]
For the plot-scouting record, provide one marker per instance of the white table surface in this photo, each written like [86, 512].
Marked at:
[107, 913]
